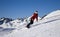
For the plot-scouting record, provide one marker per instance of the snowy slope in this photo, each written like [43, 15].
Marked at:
[52, 14]
[47, 27]
[44, 30]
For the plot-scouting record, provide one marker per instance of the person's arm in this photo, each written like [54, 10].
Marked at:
[37, 17]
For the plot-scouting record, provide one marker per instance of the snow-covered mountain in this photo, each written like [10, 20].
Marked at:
[16, 22]
[6, 20]
[52, 14]
[11, 24]
[49, 26]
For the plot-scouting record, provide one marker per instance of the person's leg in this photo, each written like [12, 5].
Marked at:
[28, 26]
[31, 22]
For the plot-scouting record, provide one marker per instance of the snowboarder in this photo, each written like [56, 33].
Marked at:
[33, 17]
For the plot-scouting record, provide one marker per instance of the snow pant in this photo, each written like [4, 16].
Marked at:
[31, 22]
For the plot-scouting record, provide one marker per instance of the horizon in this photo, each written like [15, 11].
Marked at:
[23, 8]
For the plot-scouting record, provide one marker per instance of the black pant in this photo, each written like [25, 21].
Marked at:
[31, 22]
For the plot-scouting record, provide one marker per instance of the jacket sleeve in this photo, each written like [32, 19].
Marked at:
[37, 17]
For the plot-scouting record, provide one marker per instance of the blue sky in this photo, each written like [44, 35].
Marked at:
[22, 8]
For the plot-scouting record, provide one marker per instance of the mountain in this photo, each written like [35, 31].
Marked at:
[49, 26]
[52, 14]
[7, 23]
[16, 22]
[6, 20]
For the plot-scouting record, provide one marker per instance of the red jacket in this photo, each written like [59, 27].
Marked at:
[35, 16]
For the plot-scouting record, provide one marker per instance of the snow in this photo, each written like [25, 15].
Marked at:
[47, 27]
[52, 14]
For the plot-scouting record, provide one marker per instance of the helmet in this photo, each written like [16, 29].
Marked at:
[36, 12]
